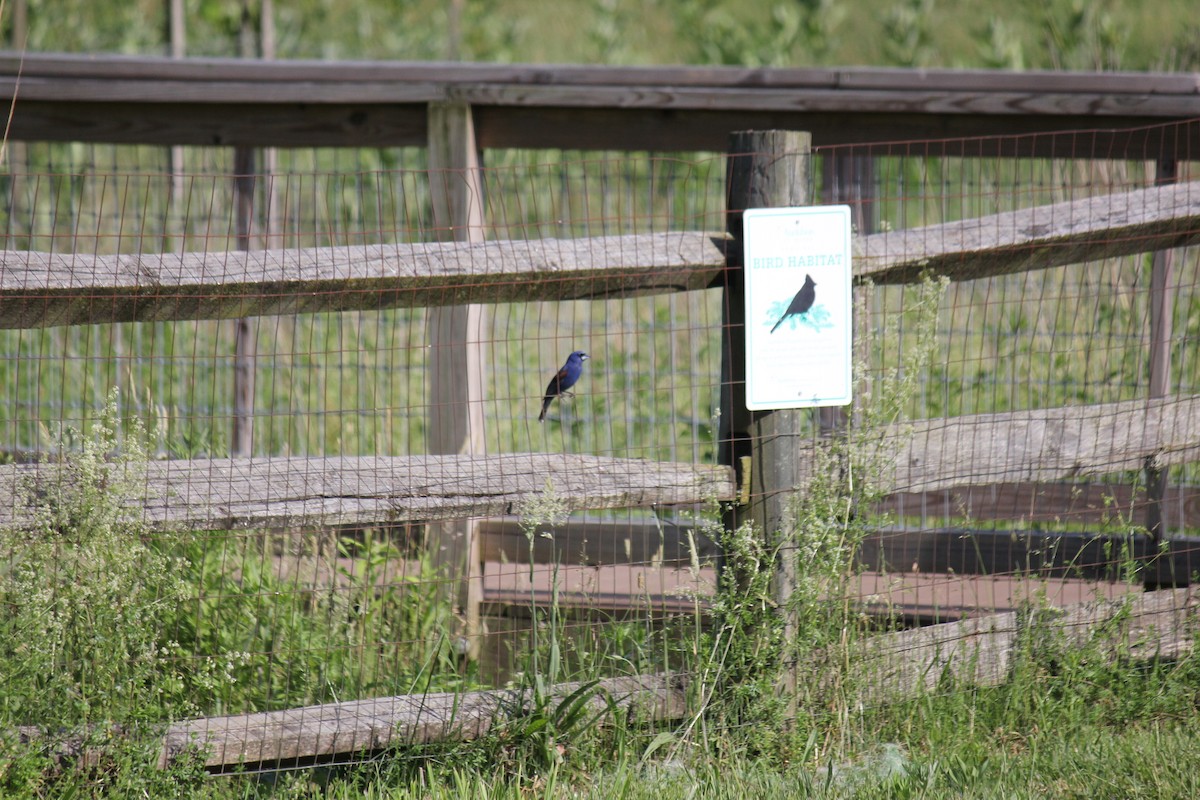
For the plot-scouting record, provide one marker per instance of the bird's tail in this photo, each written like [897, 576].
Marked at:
[545, 405]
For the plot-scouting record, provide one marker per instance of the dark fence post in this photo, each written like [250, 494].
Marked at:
[1162, 570]
[245, 330]
[241, 439]
[765, 169]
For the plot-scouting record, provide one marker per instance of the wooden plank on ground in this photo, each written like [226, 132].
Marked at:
[886, 667]
[365, 725]
[981, 651]
[229, 494]
[1073, 232]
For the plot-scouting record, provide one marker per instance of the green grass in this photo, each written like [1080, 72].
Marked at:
[1059, 34]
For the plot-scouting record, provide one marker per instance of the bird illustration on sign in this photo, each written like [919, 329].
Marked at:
[801, 310]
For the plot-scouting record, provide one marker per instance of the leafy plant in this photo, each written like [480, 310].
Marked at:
[85, 656]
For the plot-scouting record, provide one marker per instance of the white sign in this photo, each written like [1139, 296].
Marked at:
[798, 307]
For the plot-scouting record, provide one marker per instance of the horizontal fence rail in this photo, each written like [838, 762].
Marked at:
[39, 289]
[1073, 232]
[985, 449]
[46, 289]
[232, 494]
[308, 103]
[1040, 445]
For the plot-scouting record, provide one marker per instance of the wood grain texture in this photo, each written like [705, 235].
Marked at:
[265, 81]
[364, 725]
[1042, 445]
[354, 104]
[1038, 446]
[45, 289]
[1074, 232]
[981, 651]
[456, 378]
[229, 494]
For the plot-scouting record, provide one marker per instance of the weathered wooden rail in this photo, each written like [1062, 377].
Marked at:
[45, 289]
[239, 494]
[981, 450]
[352, 727]
[385, 104]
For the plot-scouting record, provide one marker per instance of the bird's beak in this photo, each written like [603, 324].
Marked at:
[584, 357]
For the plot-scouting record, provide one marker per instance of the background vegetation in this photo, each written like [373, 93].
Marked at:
[1025, 34]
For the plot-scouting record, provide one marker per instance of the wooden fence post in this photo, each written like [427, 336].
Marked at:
[1161, 571]
[765, 169]
[241, 438]
[177, 45]
[245, 330]
[850, 179]
[455, 337]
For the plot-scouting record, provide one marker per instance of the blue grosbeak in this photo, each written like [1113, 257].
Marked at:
[802, 302]
[564, 379]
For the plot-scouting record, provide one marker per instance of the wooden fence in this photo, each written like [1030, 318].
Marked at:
[455, 111]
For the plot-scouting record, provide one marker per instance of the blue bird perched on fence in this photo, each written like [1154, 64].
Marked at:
[564, 379]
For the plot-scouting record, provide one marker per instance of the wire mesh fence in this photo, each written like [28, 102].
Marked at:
[321, 606]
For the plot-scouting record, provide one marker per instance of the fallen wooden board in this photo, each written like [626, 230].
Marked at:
[363, 725]
[238, 494]
[885, 667]
[980, 651]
